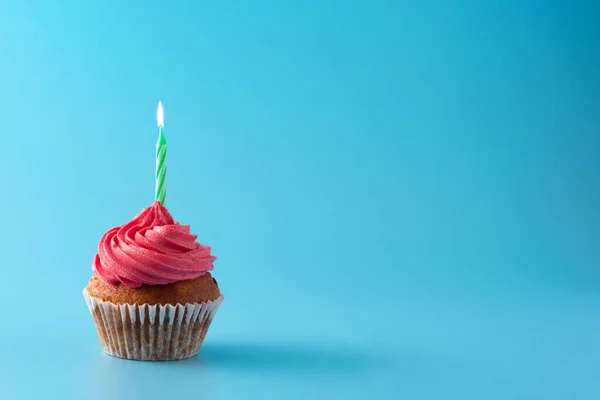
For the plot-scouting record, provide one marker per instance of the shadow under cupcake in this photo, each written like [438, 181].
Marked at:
[151, 295]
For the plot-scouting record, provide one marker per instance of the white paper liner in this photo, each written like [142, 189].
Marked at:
[145, 332]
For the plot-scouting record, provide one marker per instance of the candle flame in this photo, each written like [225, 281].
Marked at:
[160, 118]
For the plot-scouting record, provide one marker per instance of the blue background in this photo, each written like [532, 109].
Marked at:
[403, 196]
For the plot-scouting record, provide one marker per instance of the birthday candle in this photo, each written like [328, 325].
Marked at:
[160, 192]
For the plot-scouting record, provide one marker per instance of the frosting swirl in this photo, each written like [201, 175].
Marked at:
[151, 249]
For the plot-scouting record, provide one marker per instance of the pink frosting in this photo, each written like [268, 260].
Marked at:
[151, 249]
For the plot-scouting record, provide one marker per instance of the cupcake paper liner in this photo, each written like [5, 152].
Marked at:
[158, 332]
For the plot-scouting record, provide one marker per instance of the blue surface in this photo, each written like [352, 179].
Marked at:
[403, 196]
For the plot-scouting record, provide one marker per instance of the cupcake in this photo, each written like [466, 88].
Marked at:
[151, 294]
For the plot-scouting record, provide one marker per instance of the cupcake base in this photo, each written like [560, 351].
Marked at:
[151, 332]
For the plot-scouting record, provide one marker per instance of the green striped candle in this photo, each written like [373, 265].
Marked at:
[160, 192]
